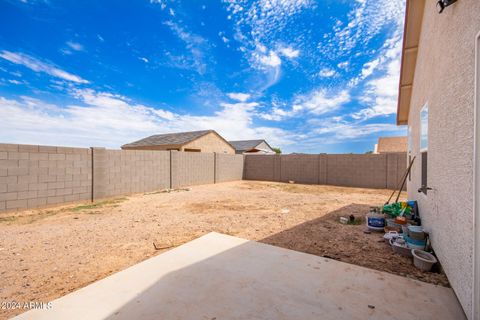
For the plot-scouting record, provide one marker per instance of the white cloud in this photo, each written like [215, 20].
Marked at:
[272, 59]
[195, 44]
[143, 59]
[17, 82]
[343, 65]
[106, 119]
[327, 73]
[369, 67]
[381, 92]
[365, 20]
[289, 52]
[320, 102]
[40, 66]
[75, 46]
[242, 97]
[349, 131]
[277, 114]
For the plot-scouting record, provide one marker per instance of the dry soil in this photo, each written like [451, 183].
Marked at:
[47, 253]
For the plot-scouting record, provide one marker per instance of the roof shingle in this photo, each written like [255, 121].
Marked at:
[244, 145]
[179, 138]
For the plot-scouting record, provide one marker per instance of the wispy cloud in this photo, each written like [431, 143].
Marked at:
[289, 52]
[72, 47]
[75, 46]
[39, 66]
[143, 59]
[381, 91]
[321, 102]
[242, 97]
[196, 44]
[327, 73]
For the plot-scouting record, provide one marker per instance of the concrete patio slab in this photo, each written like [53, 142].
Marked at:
[223, 277]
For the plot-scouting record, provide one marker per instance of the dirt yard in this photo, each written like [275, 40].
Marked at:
[45, 254]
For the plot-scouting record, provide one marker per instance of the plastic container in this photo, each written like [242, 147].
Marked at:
[416, 232]
[400, 248]
[423, 260]
[415, 244]
[375, 221]
[390, 235]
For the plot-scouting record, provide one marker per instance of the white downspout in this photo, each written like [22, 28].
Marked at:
[476, 187]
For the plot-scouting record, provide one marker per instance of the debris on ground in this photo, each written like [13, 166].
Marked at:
[168, 190]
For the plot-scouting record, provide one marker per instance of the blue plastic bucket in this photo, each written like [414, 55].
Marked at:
[375, 222]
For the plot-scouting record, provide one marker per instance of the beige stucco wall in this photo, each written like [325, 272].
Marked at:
[444, 78]
[210, 143]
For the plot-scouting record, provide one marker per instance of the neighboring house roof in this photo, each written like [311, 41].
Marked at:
[392, 144]
[411, 38]
[171, 139]
[246, 145]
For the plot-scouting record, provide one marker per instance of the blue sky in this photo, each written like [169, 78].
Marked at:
[308, 76]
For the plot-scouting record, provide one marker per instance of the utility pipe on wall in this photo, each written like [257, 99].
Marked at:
[476, 187]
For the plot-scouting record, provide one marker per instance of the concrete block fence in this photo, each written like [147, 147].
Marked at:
[382, 171]
[34, 176]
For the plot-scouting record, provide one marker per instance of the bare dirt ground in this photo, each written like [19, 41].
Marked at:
[47, 253]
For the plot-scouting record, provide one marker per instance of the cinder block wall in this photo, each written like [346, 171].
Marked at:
[192, 168]
[35, 176]
[260, 167]
[360, 170]
[300, 168]
[357, 170]
[120, 172]
[228, 167]
[32, 176]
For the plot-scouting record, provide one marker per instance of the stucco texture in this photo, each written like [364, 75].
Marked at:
[444, 78]
[210, 143]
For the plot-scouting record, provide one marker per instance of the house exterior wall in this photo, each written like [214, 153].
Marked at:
[444, 78]
[210, 143]
[264, 146]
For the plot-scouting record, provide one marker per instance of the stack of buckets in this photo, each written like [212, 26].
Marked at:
[414, 236]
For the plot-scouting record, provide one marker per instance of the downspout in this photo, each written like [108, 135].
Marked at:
[476, 187]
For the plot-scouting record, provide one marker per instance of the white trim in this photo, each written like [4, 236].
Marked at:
[476, 188]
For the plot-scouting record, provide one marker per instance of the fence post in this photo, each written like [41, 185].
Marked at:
[214, 167]
[171, 159]
[99, 173]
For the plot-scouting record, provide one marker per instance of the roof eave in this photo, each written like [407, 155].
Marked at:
[411, 36]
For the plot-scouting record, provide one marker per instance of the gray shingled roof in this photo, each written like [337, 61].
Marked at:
[179, 138]
[244, 145]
